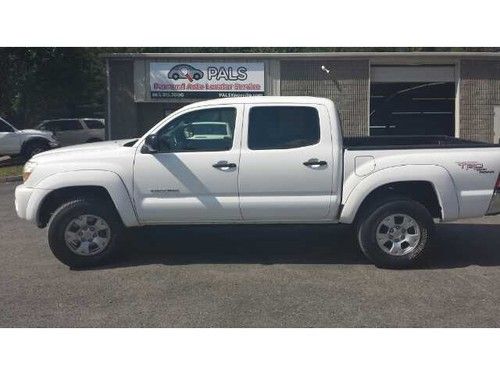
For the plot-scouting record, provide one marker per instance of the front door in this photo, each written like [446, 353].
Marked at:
[286, 164]
[194, 176]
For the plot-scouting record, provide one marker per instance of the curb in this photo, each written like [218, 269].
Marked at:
[11, 179]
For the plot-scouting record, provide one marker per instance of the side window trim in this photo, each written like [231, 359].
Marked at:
[237, 125]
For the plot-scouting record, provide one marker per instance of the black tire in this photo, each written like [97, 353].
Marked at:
[371, 219]
[33, 148]
[175, 76]
[197, 76]
[71, 210]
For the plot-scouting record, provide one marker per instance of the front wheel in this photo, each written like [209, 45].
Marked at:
[395, 234]
[85, 232]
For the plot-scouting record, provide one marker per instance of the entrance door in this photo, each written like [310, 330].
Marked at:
[412, 100]
[194, 176]
[286, 164]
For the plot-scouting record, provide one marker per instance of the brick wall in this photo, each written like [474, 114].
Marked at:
[479, 92]
[347, 85]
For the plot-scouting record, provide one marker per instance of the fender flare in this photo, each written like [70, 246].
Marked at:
[108, 180]
[436, 175]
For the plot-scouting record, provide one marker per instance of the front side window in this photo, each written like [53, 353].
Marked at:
[203, 130]
[282, 127]
[67, 125]
[50, 126]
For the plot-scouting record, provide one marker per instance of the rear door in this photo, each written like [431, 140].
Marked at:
[286, 163]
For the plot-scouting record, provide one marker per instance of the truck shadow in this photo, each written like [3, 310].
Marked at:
[456, 245]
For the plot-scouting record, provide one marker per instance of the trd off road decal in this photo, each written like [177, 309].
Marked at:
[474, 166]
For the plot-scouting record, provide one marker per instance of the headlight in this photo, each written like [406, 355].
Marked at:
[28, 169]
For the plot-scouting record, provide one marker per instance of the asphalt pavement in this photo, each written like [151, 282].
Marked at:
[249, 276]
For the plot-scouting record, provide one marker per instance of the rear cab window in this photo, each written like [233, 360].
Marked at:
[282, 127]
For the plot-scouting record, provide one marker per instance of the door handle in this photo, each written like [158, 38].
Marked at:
[224, 164]
[315, 162]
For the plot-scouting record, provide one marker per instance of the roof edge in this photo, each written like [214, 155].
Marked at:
[299, 55]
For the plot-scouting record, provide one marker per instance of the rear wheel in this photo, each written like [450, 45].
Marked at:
[85, 232]
[395, 234]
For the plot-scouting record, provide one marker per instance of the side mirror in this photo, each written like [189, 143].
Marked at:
[151, 144]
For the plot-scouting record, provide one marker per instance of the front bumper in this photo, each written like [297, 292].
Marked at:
[494, 208]
[23, 195]
[28, 201]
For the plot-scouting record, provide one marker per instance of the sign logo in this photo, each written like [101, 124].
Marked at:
[206, 79]
[474, 165]
[185, 71]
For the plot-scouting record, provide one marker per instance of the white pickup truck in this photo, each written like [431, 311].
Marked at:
[259, 160]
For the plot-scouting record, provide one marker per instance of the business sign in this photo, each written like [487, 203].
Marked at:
[206, 79]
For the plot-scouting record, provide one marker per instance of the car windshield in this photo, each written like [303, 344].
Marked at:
[5, 126]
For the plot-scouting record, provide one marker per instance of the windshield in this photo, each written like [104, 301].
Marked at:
[6, 126]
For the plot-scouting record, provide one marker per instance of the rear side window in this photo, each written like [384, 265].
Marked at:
[94, 124]
[282, 127]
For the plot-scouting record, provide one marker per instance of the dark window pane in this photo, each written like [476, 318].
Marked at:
[94, 124]
[66, 125]
[412, 108]
[203, 130]
[50, 126]
[282, 127]
[4, 128]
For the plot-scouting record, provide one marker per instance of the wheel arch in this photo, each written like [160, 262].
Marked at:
[54, 190]
[32, 140]
[431, 185]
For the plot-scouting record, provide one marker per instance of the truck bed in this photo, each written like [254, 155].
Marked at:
[411, 142]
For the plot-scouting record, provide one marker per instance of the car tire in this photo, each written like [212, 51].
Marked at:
[33, 148]
[175, 76]
[395, 233]
[75, 220]
[196, 76]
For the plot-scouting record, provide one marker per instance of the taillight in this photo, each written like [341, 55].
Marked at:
[497, 185]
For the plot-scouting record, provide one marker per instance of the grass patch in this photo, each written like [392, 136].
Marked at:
[14, 170]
